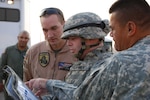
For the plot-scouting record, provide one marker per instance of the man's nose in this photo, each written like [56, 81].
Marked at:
[50, 34]
[68, 43]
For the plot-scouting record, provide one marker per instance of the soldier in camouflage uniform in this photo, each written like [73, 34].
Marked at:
[126, 74]
[88, 30]
[88, 27]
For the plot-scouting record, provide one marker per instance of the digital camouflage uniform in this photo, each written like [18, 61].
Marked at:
[78, 72]
[80, 69]
[86, 25]
[123, 76]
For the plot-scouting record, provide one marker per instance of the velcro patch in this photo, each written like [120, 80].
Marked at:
[44, 59]
[64, 65]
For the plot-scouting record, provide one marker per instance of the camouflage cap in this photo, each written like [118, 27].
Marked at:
[86, 25]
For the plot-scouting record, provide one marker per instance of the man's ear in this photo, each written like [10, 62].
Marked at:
[18, 37]
[63, 23]
[131, 26]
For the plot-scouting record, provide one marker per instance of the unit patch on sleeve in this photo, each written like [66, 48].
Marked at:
[44, 59]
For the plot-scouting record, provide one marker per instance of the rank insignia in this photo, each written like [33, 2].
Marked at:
[44, 59]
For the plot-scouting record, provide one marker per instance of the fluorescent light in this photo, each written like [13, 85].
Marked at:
[10, 2]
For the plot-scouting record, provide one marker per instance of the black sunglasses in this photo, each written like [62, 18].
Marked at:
[50, 11]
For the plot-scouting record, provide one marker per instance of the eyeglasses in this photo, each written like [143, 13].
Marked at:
[50, 11]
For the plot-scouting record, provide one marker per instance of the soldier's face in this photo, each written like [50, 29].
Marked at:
[52, 28]
[74, 44]
[119, 33]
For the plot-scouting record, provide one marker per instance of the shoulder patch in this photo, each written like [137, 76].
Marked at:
[44, 59]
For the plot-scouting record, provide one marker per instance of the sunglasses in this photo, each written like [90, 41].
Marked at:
[50, 11]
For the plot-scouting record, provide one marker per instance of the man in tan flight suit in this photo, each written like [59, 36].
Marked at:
[51, 58]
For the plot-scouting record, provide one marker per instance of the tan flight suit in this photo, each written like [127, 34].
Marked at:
[42, 62]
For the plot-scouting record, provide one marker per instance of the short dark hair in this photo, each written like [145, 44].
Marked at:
[52, 10]
[132, 10]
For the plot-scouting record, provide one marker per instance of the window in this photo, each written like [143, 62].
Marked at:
[8, 14]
